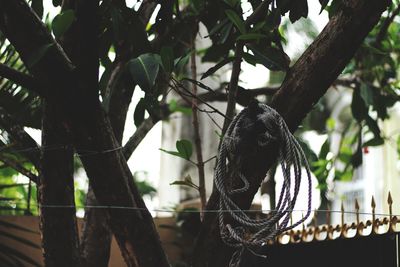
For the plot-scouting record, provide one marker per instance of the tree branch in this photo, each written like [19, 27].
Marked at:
[304, 84]
[196, 127]
[19, 168]
[20, 78]
[243, 97]
[383, 30]
[233, 86]
[137, 137]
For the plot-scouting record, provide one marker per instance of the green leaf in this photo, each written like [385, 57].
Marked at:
[218, 27]
[144, 70]
[145, 188]
[219, 65]
[174, 107]
[185, 149]
[325, 148]
[367, 94]
[186, 182]
[236, 20]
[62, 22]
[323, 3]
[346, 176]
[173, 153]
[180, 63]
[251, 36]
[376, 141]
[249, 58]
[225, 32]
[398, 146]
[358, 107]
[356, 159]
[38, 55]
[330, 124]
[271, 58]
[198, 5]
[183, 183]
[373, 126]
[138, 115]
[4, 186]
[167, 58]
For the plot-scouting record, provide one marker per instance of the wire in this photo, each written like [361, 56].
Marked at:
[80, 152]
[197, 211]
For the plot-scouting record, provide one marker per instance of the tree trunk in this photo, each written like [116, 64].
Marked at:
[97, 235]
[304, 84]
[105, 165]
[113, 185]
[56, 187]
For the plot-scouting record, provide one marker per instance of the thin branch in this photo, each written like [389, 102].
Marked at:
[382, 32]
[176, 85]
[197, 139]
[19, 168]
[137, 137]
[233, 86]
[20, 78]
[243, 96]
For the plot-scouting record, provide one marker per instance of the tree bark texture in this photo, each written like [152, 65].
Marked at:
[96, 235]
[58, 225]
[107, 169]
[304, 84]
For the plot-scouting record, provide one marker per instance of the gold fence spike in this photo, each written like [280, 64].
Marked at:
[373, 204]
[342, 213]
[375, 223]
[390, 200]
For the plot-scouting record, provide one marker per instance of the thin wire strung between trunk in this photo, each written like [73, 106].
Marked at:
[257, 125]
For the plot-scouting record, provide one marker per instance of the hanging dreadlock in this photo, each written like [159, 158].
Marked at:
[256, 127]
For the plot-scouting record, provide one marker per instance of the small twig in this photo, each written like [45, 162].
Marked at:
[197, 139]
[190, 94]
[210, 159]
[19, 168]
